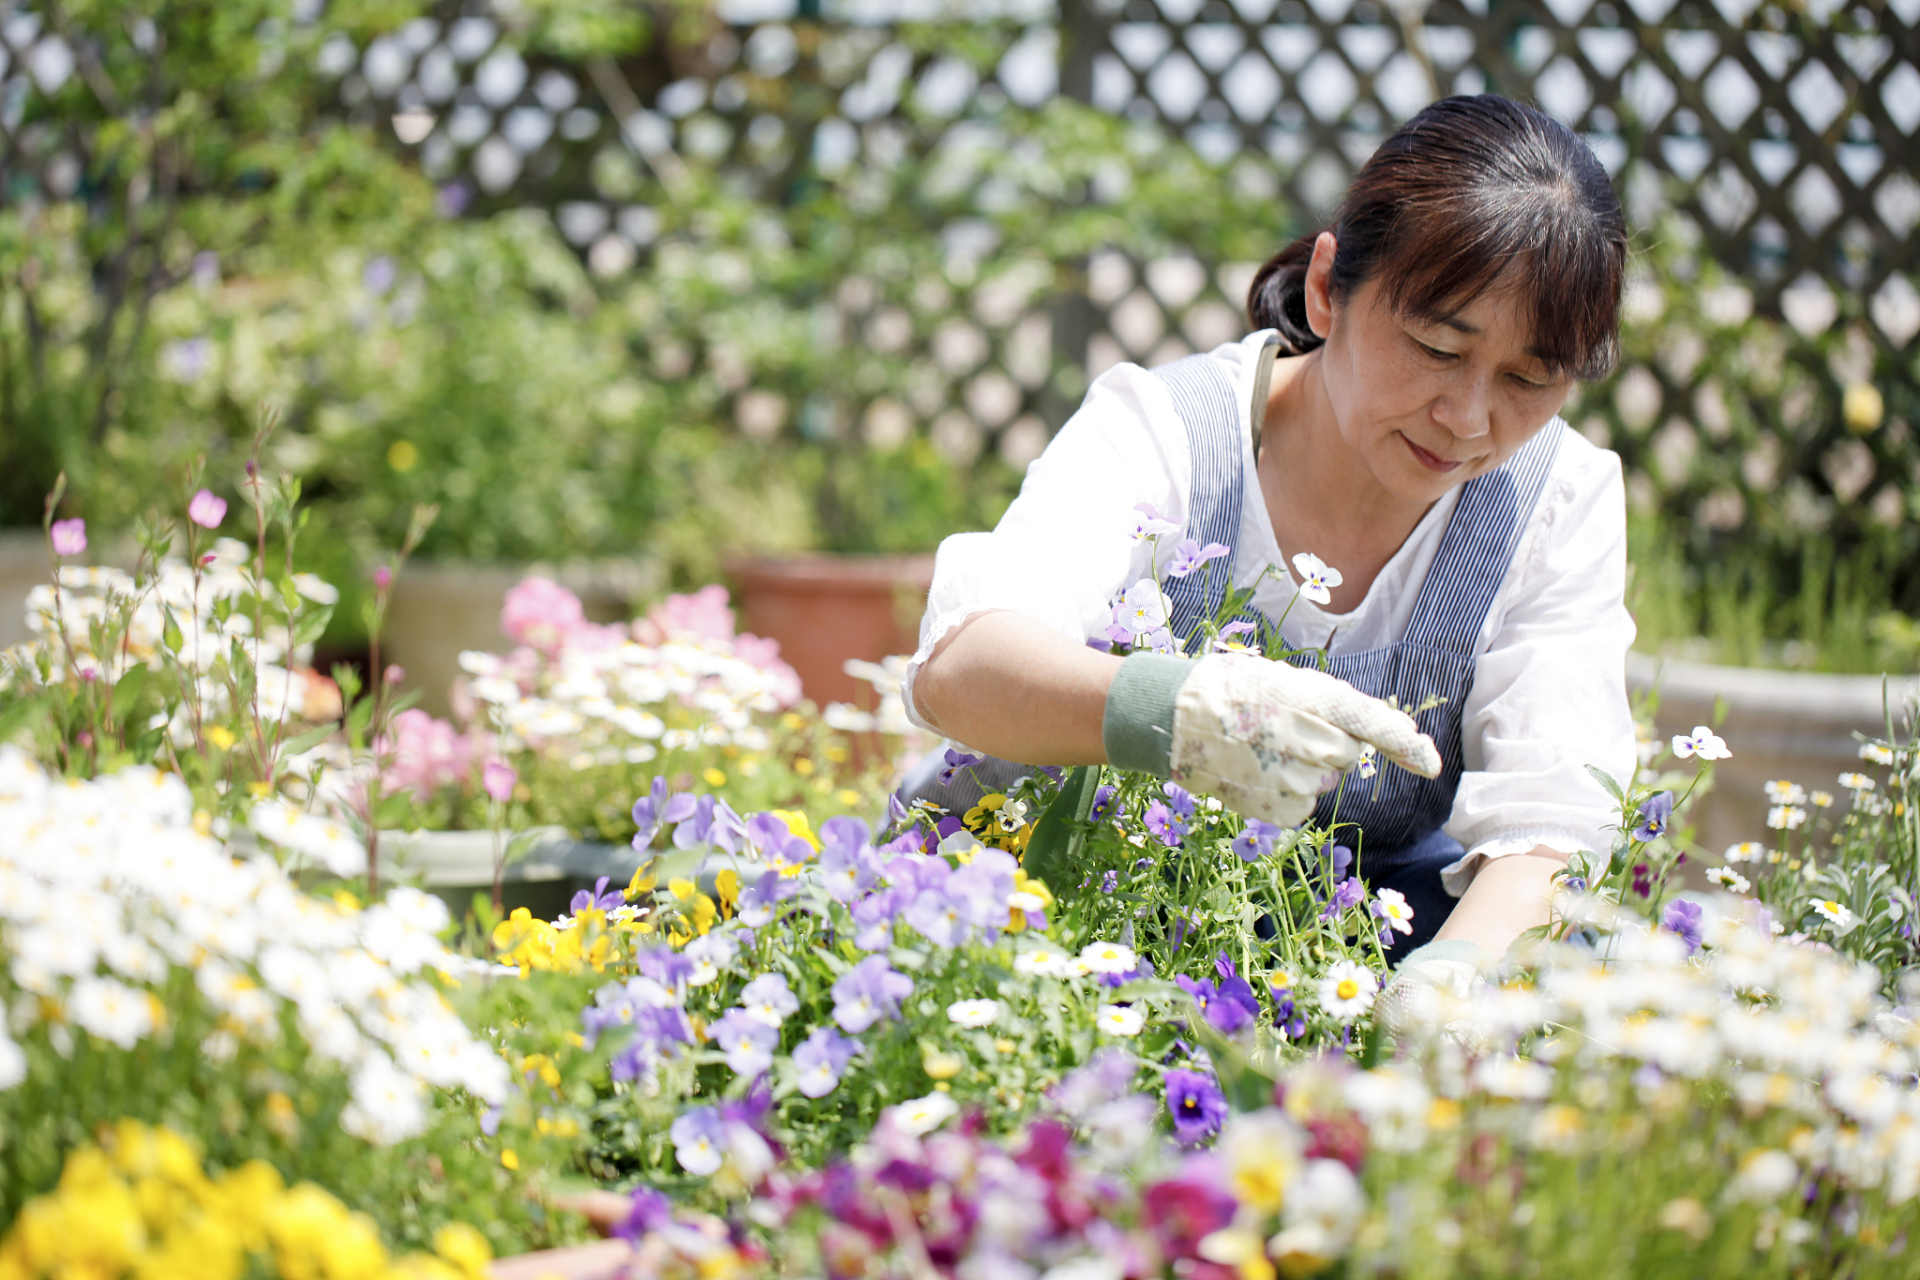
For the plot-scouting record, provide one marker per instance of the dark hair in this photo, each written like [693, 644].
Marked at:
[1466, 192]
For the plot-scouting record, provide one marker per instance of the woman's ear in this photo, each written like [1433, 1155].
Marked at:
[1319, 285]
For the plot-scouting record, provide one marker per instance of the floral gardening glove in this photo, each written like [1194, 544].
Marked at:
[1425, 992]
[1265, 738]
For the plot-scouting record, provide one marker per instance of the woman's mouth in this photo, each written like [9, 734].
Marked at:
[1430, 460]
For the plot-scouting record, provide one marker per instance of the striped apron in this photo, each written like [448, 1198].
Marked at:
[1392, 821]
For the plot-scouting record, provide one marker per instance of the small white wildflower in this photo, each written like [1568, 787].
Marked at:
[1730, 878]
[1874, 753]
[1786, 817]
[1856, 782]
[1120, 1020]
[973, 1013]
[1348, 990]
[1746, 851]
[924, 1115]
[1837, 914]
[1109, 957]
[1781, 792]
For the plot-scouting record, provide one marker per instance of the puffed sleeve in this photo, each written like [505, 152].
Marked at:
[1065, 547]
[1549, 694]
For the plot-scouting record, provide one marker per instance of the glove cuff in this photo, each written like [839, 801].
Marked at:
[1453, 949]
[1137, 727]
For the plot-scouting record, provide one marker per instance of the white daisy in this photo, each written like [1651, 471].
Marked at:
[1348, 990]
[973, 1013]
[1730, 878]
[1120, 1020]
[1041, 960]
[1874, 753]
[924, 1115]
[1856, 782]
[1781, 792]
[1109, 957]
[1786, 817]
[1833, 912]
[1746, 851]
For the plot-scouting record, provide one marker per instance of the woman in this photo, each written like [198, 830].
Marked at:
[1393, 415]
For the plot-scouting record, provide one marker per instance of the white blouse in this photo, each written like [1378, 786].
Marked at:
[1549, 693]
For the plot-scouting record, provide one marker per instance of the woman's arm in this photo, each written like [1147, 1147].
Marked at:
[1508, 897]
[1012, 687]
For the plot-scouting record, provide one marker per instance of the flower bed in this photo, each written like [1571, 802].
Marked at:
[1092, 1026]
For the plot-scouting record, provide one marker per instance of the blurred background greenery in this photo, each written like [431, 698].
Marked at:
[668, 282]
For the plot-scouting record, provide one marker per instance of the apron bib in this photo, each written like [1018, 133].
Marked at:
[1392, 821]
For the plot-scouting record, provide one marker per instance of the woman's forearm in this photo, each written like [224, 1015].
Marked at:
[1507, 897]
[1004, 684]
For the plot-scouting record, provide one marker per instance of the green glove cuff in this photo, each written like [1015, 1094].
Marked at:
[1137, 729]
[1452, 949]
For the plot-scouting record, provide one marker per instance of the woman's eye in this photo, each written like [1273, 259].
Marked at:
[1435, 352]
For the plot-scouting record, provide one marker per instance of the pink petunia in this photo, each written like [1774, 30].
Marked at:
[541, 613]
[206, 510]
[427, 753]
[69, 537]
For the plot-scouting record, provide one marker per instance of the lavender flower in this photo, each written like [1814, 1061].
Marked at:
[1655, 816]
[873, 918]
[847, 863]
[1109, 881]
[699, 1141]
[1148, 523]
[1197, 1105]
[759, 899]
[595, 899]
[1338, 856]
[821, 1059]
[1347, 894]
[1165, 825]
[1190, 556]
[1683, 918]
[1255, 840]
[956, 761]
[649, 1211]
[712, 822]
[656, 809]
[747, 1042]
[768, 999]
[1224, 642]
[868, 992]
[769, 836]
[1107, 805]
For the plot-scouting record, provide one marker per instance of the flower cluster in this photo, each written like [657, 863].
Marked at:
[108, 890]
[140, 1204]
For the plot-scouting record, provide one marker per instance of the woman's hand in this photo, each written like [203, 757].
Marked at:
[1267, 738]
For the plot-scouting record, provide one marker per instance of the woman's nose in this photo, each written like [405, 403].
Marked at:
[1464, 408]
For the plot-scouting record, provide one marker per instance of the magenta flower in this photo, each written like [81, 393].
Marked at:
[382, 578]
[69, 537]
[497, 778]
[206, 510]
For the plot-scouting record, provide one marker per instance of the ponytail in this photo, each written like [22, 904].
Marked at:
[1278, 298]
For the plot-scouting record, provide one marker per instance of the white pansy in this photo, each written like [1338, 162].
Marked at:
[1317, 577]
[1703, 742]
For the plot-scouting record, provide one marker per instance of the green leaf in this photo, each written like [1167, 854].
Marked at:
[312, 625]
[170, 635]
[306, 741]
[19, 715]
[1048, 852]
[127, 691]
[1605, 779]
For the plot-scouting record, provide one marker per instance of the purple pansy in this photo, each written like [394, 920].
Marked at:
[868, 992]
[596, 899]
[747, 1042]
[1223, 642]
[1338, 857]
[1165, 825]
[1189, 556]
[1683, 918]
[712, 822]
[1255, 840]
[658, 808]
[1197, 1105]
[1655, 816]
[1107, 805]
[956, 761]
[821, 1059]
[1347, 894]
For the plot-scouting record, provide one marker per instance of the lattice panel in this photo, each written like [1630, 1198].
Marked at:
[1774, 141]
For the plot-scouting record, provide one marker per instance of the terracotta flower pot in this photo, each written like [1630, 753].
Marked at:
[825, 609]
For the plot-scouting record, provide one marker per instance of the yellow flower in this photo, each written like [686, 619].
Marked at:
[464, 1247]
[797, 823]
[1863, 407]
[940, 1065]
[509, 1159]
[727, 885]
[644, 878]
[713, 777]
[1028, 895]
[220, 736]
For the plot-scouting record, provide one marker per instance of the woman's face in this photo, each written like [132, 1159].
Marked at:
[1430, 405]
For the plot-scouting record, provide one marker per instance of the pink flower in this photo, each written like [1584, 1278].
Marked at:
[206, 510]
[69, 537]
[540, 612]
[764, 655]
[497, 778]
[382, 578]
[701, 614]
[427, 754]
